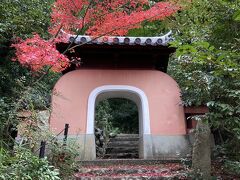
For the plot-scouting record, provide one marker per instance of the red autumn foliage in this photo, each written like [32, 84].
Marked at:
[36, 53]
[106, 17]
[92, 17]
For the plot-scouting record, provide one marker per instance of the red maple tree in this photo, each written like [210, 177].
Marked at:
[90, 17]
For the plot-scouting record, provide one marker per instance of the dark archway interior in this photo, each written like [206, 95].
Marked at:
[116, 128]
[117, 115]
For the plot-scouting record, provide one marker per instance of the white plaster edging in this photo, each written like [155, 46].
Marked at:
[111, 88]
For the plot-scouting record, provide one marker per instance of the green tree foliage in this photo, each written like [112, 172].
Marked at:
[207, 64]
[21, 19]
[125, 115]
[155, 28]
[117, 115]
[103, 117]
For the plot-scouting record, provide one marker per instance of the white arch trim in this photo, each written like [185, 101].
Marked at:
[111, 88]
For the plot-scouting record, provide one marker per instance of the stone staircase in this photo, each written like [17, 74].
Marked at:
[123, 146]
[121, 162]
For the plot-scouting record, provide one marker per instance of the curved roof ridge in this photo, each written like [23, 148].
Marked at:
[122, 40]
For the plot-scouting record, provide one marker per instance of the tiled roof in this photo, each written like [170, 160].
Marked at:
[123, 40]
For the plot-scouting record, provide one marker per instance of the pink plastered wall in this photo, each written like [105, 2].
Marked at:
[70, 98]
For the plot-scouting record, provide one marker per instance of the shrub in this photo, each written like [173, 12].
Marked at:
[24, 165]
[64, 158]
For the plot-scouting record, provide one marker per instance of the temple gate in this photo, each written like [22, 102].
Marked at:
[122, 67]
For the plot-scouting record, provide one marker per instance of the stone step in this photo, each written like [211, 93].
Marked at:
[123, 139]
[120, 155]
[116, 150]
[127, 135]
[160, 171]
[123, 144]
[132, 162]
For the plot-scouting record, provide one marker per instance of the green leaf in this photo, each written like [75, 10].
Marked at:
[236, 15]
[203, 44]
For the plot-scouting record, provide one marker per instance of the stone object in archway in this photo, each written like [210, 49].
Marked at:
[100, 142]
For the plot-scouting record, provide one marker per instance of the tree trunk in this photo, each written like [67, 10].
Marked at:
[201, 157]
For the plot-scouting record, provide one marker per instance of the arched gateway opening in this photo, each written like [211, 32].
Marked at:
[121, 91]
[116, 129]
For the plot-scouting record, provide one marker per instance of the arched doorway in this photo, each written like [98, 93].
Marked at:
[120, 91]
[116, 129]
[120, 113]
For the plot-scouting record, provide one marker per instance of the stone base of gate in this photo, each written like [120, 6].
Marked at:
[150, 146]
[164, 147]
